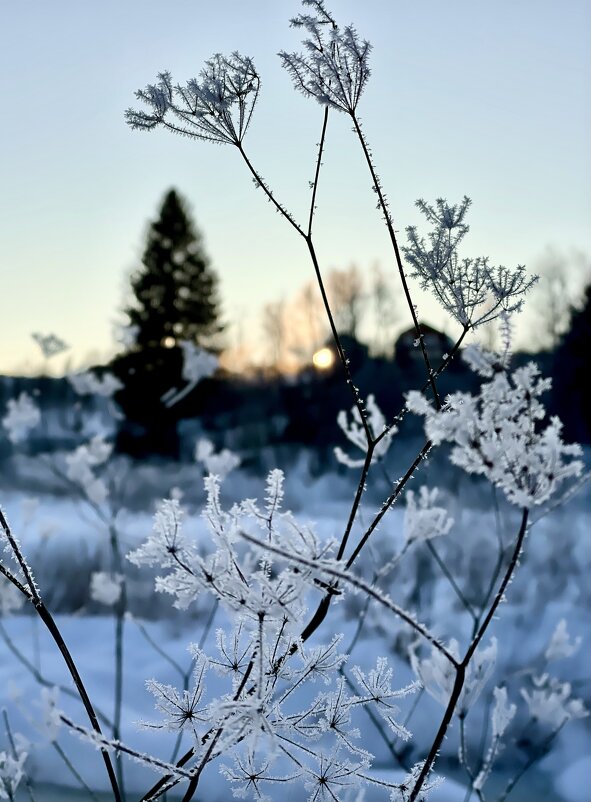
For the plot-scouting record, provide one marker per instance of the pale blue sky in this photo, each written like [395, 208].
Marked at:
[492, 100]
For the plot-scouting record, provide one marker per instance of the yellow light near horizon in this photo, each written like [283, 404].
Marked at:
[323, 359]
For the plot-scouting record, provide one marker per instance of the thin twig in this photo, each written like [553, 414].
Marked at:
[44, 614]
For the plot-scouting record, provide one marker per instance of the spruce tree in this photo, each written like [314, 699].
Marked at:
[175, 298]
[175, 290]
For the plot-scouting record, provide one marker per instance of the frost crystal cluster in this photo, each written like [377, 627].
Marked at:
[499, 433]
[220, 463]
[266, 720]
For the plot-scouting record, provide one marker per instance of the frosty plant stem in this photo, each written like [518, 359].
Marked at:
[269, 574]
[33, 596]
[307, 236]
[120, 610]
[461, 667]
[377, 187]
[120, 607]
[358, 584]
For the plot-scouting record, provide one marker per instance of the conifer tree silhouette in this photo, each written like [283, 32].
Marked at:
[174, 298]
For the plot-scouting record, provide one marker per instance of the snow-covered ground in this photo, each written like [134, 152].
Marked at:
[65, 543]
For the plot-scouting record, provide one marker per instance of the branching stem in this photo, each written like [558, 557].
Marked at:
[462, 667]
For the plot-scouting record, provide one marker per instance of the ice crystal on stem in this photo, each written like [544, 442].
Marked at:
[181, 709]
[11, 773]
[249, 775]
[331, 776]
[402, 792]
[502, 714]
[166, 546]
[377, 685]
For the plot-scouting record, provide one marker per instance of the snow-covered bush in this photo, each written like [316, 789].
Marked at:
[273, 701]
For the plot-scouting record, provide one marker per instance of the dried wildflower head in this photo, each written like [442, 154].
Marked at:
[470, 290]
[334, 68]
[216, 107]
[50, 344]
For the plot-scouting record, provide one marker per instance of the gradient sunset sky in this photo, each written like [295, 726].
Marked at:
[492, 100]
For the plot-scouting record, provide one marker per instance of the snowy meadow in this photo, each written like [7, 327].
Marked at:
[408, 623]
[537, 633]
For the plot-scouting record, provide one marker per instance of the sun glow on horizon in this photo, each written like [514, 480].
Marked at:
[323, 359]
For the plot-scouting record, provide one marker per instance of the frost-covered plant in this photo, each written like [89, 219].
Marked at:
[335, 68]
[499, 433]
[81, 465]
[22, 416]
[105, 587]
[437, 674]
[561, 645]
[11, 773]
[198, 364]
[423, 519]
[88, 383]
[470, 290]
[265, 717]
[220, 463]
[549, 705]
[217, 106]
[354, 432]
[274, 700]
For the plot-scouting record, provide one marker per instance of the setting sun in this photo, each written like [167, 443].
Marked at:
[323, 359]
